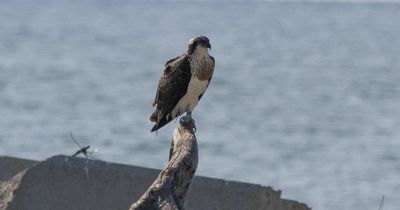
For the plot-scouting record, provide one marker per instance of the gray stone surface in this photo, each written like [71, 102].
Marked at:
[62, 183]
[9, 166]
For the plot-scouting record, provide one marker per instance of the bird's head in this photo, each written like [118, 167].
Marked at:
[200, 42]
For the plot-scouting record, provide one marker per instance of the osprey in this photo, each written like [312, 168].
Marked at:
[183, 83]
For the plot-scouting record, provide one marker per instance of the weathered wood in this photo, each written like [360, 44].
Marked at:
[172, 185]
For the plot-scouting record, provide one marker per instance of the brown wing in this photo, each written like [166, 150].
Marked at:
[167, 66]
[171, 88]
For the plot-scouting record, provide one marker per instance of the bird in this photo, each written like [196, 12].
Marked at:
[184, 80]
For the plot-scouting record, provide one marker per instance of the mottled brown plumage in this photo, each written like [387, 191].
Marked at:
[184, 80]
[172, 86]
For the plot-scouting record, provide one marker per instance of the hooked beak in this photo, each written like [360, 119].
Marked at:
[208, 45]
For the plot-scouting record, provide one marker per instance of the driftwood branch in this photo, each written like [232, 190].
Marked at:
[170, 188]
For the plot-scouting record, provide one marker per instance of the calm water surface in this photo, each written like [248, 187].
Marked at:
[305, 96]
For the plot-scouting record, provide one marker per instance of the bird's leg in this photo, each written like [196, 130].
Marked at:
[189, 115]
[188, 119]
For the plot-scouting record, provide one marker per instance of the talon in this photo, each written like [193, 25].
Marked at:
[193, 122]
[188, 121]
[182, 120]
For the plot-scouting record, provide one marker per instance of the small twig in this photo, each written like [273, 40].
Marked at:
[83, 150]
[74, 140]
[382, 201]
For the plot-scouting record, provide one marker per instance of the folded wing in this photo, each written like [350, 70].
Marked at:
[171, 88]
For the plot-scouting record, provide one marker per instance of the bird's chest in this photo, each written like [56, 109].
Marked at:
[202, 67]
[196, 87]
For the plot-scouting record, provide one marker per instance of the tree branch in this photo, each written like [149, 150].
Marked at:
[170, 188]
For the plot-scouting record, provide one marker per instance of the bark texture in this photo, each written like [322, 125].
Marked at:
[172, 185]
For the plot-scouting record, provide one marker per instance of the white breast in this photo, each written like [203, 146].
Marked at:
[189, 101]
[196, 86]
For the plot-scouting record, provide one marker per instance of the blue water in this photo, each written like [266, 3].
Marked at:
[305, 96]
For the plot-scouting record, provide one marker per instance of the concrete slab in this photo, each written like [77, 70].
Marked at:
[9, 166]
[65, 183]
